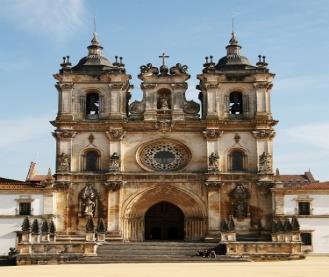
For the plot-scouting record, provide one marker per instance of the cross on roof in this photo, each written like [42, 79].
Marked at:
[163, 57]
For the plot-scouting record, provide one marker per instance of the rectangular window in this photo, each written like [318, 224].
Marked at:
[306, 238]
[304, 208]
[25, 208]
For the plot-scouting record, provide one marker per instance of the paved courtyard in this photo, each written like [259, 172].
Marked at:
[312, 266]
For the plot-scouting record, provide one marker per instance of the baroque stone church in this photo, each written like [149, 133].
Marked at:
[165, 167]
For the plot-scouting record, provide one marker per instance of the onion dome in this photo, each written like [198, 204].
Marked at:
[95, 59]
[233, 56]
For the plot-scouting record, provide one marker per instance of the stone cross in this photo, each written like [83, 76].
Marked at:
[163, 57]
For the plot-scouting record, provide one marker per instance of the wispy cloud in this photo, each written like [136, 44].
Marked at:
[297, 84]
[315, 134]
[23, 130]
[56, 19]
[302, 147]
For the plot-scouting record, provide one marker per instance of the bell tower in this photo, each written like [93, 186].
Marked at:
[93, 101]
[235, 97]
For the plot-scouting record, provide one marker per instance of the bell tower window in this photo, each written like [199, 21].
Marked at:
[92, 159]
[236, 104]
[92, 105]
[237, 160]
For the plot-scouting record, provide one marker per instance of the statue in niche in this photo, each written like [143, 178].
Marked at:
[240, 201]
[164, 103]
[115, 162]
[265, 163]
[63, 162]
[213, 162]
[88, 201]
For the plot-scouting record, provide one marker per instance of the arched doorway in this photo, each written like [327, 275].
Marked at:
[164, 221]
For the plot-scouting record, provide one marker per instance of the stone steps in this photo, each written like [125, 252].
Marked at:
[153, 252]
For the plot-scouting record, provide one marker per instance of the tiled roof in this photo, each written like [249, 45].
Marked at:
[297, 180]
[38, 178]
[316, 186]
[10, 181]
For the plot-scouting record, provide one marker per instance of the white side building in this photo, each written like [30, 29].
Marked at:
[309, 202]
[19, 199]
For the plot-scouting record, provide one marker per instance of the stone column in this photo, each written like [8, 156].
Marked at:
[213, 209]
[150, 98]
[113, 225]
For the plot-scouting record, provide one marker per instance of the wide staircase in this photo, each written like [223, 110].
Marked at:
[156, 252]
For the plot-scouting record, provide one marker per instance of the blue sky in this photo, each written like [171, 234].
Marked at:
[294, 36]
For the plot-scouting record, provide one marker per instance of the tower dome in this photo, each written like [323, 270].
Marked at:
[94, 59]
[233, 56]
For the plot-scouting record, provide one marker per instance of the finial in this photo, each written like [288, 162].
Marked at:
[163, 57]
[211, 59]
[206, 59]
[259, 58]
[232, 25]
[116, 59]
[94, 24]
[264, 59]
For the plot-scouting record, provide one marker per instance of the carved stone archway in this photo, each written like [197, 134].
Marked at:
[135, 207]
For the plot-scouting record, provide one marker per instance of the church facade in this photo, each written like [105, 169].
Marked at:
[164, 167]
[167, 168]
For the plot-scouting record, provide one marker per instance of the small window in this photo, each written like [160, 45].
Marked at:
[306, 238]
[236, 103]
[92, 105]
[304, 208]
[25, 208]
[92, 159]
[237, 158]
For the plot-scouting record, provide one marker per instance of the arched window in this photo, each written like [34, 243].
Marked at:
[236, 103]
[92, 105]
[237, 160]
[91, 160]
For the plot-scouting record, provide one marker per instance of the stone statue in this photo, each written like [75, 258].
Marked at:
[265, 163]
[240, 201]
[88, 199]
[63, 162]
[115, 162]
[148, 70]
[137, 107]
[163, 103]
[191, 107]
[213, 162]
[178, 69]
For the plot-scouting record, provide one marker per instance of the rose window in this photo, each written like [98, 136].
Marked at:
[164, 155]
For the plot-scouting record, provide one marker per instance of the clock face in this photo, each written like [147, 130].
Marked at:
[163, 155]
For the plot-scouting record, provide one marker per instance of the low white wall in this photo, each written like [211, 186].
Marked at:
[320, 234]
[8, 226]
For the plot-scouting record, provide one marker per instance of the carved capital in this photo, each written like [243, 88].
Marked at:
[263, 134]
[64, 134]
[213, 184]
[148, 86]
[179, 86]
[66, 86]
[61, 185]
[263, 85]
[115, 134]
[117, 85]
[212, 133]
[113, 185]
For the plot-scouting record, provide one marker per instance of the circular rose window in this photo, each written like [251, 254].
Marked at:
[163, 155]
